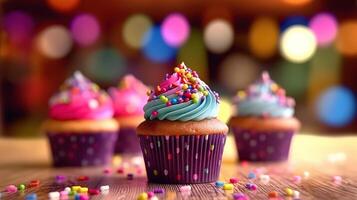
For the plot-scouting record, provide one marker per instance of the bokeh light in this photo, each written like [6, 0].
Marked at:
[225, 110]
[155, 48]
[263, 37]
[63, 5]
[293, 21]
[55, 41]
[298, 44]
[324, 26]
[237, 71]
[85, 29]
[175, 29]
[105, 65]
[195, 46]
[297, 2]
[218, 36]
[134, 29]
[293, 77]
[19, 26]
[336, 106]
[346, 41]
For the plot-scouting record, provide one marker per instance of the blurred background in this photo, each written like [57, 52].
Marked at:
[308, 46]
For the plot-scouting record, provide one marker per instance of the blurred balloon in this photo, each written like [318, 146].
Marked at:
[292, 21]
[55, 41]
[85, 29]
[225, 110]
[19, 27]
[336, 106]
[325, 71]
[175, 29]
[263, 37]
[346, 41]
[298, 44]
[63, 5]
[324, 26]
[237, 71]
[134, 29]
[105, 65]
[155, 48]
[218, 36]
[195, 46]
[293, 77]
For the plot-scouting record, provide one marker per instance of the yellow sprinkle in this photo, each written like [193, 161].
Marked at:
[228, 186]
[143, 196]
[76, 188]
[83, 190]
[188, 75]
[155, 172]
[182, 71]
[177, 69]
[184, 86]
[193, 79]
[194, 96]
[205, 92]
[274, 87]
[289, 192]
[241, 94]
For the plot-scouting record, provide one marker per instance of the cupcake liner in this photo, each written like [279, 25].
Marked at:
[128, 141]
[82, 149]
[183, 159]
[262, 145]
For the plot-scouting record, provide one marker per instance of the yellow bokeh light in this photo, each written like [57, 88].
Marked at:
[225, 110]
[263, 37]
[298, 44]
[134, 29]
[346, 41]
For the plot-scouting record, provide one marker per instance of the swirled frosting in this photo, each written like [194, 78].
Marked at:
[264, 98]
[80, 99]
[182, 96]
[129, 98]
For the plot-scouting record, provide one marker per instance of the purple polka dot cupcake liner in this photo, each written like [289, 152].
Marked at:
[128, 141]
[184, 159]
[82, 149]
[262, 145]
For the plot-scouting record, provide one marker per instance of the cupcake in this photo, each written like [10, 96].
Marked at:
[264, 124]
[128, 100]
[181, 138]
[81, 128]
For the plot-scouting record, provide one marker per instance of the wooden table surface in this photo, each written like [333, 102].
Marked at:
[23, 160]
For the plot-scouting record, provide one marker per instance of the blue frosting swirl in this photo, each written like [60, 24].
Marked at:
[264, 98]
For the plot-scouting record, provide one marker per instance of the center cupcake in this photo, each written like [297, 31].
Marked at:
[181, 138]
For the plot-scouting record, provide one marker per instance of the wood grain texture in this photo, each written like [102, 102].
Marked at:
[323, 157]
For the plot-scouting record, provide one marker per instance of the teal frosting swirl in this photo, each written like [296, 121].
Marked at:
[265, 98]
[182, 108]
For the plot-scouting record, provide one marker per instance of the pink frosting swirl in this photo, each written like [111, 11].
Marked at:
[80, 99]
[129, 98]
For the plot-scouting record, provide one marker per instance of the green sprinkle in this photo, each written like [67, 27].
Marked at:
[195, 100]
[21, 187]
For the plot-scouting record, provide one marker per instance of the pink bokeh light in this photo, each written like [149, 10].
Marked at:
[175, 29]
[85, 29]
[324, 27]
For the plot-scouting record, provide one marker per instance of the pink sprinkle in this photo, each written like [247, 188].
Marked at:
[93, 191]
[233, 180]
[297, 179]
[337, 179]
[11, 189]
[83, 197]
[150, 194]
[107, 171]
[120, 170]
[139, 171]
[253, 187]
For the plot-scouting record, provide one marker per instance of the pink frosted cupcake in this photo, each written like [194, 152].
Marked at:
[81, 129]
[128, 100]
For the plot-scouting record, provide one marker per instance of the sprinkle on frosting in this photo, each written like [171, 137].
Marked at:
[182, 96]
[264, 98]
[80, 99]
[129, 98]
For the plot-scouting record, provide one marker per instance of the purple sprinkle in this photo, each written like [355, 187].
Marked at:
[130, 176]
[60, 178]
[158, 190]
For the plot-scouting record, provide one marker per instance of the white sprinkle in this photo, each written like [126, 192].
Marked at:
[306, 174]
[337, 179]
[104, 188]
[264, 178]
[185, 188]
[296, 194]
[67, 189]
[154, 198]
[53, 195]
[93, 104]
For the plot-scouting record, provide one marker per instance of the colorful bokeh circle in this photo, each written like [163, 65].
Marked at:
[175, 29]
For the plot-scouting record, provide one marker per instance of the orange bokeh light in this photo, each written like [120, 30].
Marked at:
[63, 5]
[297, 2]
[346, 41]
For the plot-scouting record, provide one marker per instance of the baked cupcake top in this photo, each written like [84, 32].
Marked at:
[264, 98]
[80, 99]
[182, 96]
[129, 97]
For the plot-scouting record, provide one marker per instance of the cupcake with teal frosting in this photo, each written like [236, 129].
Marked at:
[181, 138]
[264, 123]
